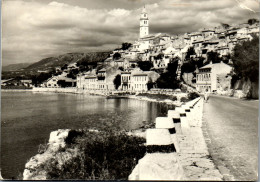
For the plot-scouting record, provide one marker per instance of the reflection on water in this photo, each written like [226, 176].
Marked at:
[28, 118]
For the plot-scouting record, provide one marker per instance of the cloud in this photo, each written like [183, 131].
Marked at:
[32, 30]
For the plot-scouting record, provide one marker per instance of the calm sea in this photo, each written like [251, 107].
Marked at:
[27, 119]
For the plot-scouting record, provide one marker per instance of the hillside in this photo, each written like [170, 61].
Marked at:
[48, 64]
[15, 67]
[59, 61]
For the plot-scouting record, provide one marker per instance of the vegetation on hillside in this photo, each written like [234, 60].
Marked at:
[168, 79]
[145, 65]
[15, 67]
[246, 59]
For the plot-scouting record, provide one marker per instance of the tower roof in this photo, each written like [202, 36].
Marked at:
[144, 10]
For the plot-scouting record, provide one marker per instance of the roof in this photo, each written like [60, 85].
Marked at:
[3, 81]
[102, 70]
[200, 39]
[90, 76]
[125, 72]
[211, 40]
[195, 33]
[208, 30]
[140, 74]
[214, 65]
[206, 66]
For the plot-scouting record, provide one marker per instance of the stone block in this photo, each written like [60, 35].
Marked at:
[164, 122]
[173, 114]
[158, 137]
[158, 166]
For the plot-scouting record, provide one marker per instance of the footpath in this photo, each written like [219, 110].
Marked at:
[176, 148]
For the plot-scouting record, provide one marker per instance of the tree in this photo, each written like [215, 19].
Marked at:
[64, 67]
[188, 67]
[199, 62]
[121, 68]
[150, 84]
[168, 79]
[61, 83]
[126, 45]
[159, 56]
[246, 59]
[213, 56]
[190, 52]
[117, 81]
[116, 56]
[225, 26]
[145, 65]
[252, 21]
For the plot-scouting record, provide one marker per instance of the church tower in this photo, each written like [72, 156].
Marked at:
[144, 24]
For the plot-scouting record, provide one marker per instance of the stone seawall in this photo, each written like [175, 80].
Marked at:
[176, 149]
[59, 90]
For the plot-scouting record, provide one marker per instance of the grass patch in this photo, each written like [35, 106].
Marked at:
[103, 155]
[158, 97]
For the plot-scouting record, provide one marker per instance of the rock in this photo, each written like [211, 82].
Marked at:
[57, 139]
[33, 168]
[158, 166]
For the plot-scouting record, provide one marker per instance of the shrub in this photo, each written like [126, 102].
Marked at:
[184, 99]
[193, 95]
[103, 155]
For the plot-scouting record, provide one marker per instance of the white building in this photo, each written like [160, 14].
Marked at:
[140, 79]
[207, 78]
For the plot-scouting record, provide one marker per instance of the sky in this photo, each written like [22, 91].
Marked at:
[37, 29]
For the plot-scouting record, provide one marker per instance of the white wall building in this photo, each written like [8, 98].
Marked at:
[207, 78]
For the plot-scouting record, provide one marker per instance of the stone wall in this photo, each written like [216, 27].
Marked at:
[176, 149]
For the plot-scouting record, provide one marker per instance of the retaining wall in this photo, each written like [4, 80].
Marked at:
[176, 149]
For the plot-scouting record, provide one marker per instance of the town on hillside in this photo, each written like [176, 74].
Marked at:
[201, 60]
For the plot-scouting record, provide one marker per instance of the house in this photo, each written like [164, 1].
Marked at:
[10, 81]
[125, 80]
[90, 82]
[207, 78]
[208, 33]
[101, 79]
[140, 79]
[63, 80]
[52, 82]
[27, 83]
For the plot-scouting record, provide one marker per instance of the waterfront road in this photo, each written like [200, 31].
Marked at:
[231, 132]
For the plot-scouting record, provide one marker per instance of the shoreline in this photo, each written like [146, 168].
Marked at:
[100, 93]
[193, 151]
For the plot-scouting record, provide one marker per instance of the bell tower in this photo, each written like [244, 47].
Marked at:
[144, 23]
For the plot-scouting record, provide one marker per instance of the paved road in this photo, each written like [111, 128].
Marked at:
[231, 131]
